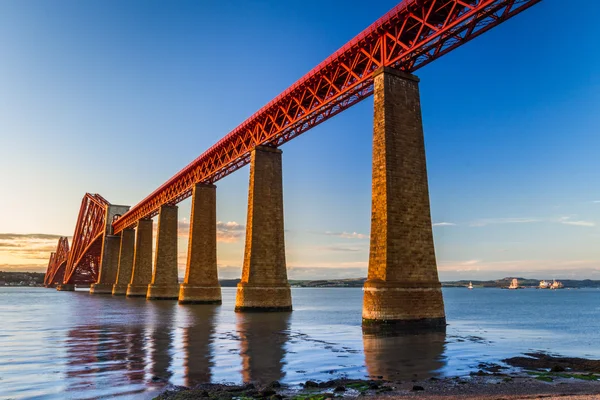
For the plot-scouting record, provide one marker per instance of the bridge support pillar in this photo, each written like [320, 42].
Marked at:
[402, 290]
[142, 260]
[125, 262]
[109, 258]
[264, 285]
[201, 283]
[109, 263]
[65, 287]
[165, 285]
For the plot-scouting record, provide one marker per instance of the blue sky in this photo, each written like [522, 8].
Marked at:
[114, 97]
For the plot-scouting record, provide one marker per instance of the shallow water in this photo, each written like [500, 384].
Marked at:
[76, 345]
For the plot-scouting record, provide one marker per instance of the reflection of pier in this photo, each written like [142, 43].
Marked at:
[197, 342]
[404, 356]
[161, 340]
[102, 356]
[263, 345]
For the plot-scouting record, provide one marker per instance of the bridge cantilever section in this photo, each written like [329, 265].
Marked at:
[56, 264]
[408, 37]
[84, 257]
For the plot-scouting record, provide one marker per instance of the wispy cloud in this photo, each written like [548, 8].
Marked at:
[493, 221]
[569, 221]
[565, 220]
[347, 235]
[227, 232]
[338, 248]
[230, 232]
[443, 224]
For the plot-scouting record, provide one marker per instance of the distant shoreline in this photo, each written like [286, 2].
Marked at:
[36, 279]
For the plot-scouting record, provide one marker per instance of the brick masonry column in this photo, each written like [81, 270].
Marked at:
[264, 285]
[65, 287]
[142, 260]
[402, 288]
[109, 263]
[165, 284]
[109, 257]
[201, 283]
[125, 262]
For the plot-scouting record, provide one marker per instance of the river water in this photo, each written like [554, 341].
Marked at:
[76, 345]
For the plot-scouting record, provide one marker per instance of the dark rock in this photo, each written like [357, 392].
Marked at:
[276, 397]
[311, 384]
[373, 385]
[267, 392]
[417, 388]
[275, 385]
[155, 378]
[433, 379]
[339, 389]
[557, 368]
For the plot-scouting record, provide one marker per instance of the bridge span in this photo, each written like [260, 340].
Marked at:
[112, 245]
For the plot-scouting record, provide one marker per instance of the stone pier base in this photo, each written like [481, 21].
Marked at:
[137, 290]
[190, 294]
[162, 292]
[119, 289]
[65, 287]
[395, 309]
[263, 298]
[101, 288]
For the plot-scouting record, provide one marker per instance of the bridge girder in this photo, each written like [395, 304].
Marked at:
[408, 37]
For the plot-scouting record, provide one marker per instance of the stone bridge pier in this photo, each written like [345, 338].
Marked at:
[264, 285]
[164, 285]
[126, 253]
[142, 260]
[201, 282]
[109, 258]
[402, 288]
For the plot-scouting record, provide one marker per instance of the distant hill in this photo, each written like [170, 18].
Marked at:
[21, 278]
[499, 283]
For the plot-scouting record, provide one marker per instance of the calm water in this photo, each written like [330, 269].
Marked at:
[75, 345]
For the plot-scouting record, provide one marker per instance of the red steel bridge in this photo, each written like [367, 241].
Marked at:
[410, 36]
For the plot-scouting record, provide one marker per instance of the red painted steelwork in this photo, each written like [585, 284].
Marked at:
[411, 35]
[58, 260]
[84, 258]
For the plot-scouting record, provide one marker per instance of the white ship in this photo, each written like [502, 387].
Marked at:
[556, 285]
[470, 286]
[514, 284]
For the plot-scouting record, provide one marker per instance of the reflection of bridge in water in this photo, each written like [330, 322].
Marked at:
[112, 245]
[180, 345]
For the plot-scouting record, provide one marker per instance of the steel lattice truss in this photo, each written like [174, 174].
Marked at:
[411, 35]
[84, 258]
[58, 261]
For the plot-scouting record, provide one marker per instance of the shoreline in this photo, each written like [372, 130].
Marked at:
[539, 375]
